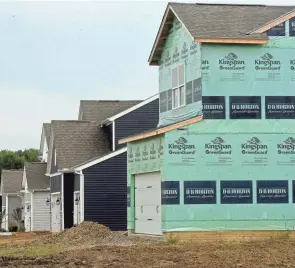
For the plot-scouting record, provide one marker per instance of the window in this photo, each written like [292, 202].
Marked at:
[178, 89]
[278, 30]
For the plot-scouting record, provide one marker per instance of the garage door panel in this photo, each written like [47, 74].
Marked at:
[148, 203]
[147, 212]
[152, 226]
[147, 197]
[146, 180]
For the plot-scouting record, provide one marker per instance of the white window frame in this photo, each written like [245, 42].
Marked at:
[174, 106]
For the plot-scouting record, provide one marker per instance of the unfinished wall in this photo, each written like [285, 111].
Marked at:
[250, 81]
[180, 49]
[142, 156]
[230, 175]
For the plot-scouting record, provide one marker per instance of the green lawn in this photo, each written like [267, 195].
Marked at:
[29, 250]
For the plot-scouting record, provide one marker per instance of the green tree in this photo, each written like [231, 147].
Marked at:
[16, 159]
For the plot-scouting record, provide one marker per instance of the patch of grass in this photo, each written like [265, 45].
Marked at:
[30, 250]
[171, 239]
[285, 235]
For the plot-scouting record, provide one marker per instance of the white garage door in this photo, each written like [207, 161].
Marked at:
[148, 203]
[55, 213]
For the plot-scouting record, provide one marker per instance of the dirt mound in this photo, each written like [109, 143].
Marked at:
[86, 233]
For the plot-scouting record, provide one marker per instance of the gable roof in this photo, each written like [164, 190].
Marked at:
[75, 142]
[98, 110]
[11, 181]
[217, 21]
[35, 174]
[129, 110]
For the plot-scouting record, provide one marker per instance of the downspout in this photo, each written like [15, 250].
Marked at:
[6, 212]
[62, 202]
[80, 172]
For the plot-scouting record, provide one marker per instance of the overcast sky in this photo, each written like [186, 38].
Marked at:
[52, 54]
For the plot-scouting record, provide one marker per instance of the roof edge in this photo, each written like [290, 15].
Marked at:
[232, 41]
[274, 22]
[160, 30]
[99, 160]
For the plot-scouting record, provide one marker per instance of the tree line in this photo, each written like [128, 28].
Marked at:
[16, 159]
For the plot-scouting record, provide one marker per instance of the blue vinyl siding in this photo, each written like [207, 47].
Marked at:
[105, 193]
[140, 120]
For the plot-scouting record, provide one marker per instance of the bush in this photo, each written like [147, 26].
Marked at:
[2, 230]
[12, 228]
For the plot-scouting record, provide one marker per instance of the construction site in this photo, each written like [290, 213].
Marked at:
[94, 245]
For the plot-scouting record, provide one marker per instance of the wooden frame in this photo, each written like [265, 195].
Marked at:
[232, 41]
[275, 22]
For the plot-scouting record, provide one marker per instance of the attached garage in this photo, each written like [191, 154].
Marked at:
[36, 197]
[147, 194]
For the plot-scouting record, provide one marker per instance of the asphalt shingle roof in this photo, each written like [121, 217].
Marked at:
[100, 110]
[35, 174]
[11, 180]
[227, 21]
[218, 21]
[76, 142]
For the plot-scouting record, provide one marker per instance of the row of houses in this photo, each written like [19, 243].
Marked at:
[82, 173]
[214, 152]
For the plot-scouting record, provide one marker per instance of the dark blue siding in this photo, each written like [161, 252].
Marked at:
[68, 199]
[55, 184]
[77, 183]
[105, 193]
[109, 132]
[137, 121]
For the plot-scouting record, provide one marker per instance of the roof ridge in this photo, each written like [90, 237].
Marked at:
[228, 4]
[110, 100]
[71, 121]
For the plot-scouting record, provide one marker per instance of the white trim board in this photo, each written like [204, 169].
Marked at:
[111, 119]
[81, 196]
[63, 203]
[53, 174]
[32, 212]
[104, 158]
[113, 136]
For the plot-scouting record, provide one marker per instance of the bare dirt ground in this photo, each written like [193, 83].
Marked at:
[114, 250]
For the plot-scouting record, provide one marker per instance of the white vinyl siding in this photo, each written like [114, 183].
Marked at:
[41, 211]
[178, 87]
